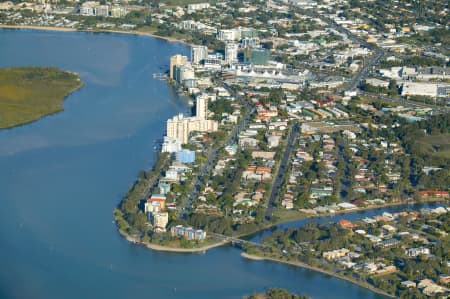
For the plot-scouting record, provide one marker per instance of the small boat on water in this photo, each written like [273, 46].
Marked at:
[159, 76]
[191, 103]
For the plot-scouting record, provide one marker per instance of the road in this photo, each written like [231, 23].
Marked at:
[212, 153]
[235, 240]
[403, 101]
[281, 170]
[365, 70]
[155, 179]
[378, 53]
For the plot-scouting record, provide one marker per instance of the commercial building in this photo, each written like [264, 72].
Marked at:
[231, 53]
[420, 89]
[377, 82]
[198, 53]
[256, 56]
[176, 60]
[250, 42]
[426, 89]
[185, 156]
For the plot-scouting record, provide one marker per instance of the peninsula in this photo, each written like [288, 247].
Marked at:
[275, 293]
[30, 93]
[301, 109]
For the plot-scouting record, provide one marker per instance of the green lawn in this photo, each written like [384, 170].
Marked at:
[289, 215]
[29, 93]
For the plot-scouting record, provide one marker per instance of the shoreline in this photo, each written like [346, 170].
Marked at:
[316, 269]
[163, 248]
[45, 28]
[79, 86]
[63, 29]
[158, 247]
[221, 243]
[183, 250]
[359, 209]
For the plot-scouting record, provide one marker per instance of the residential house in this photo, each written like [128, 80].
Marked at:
[413, 252]
[346, 224]
[334, 254]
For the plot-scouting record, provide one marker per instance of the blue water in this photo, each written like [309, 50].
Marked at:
[61, 177]
[348, 216]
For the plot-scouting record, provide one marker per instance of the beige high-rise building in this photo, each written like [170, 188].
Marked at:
[201, 107]
[179, 127]
[176, 60]
[160, 220]
[183, 72]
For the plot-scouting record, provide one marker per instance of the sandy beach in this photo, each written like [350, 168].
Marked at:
[205, 248]
[183, 250]
[306, 266]
[38, 28]
[140, 33]
[172, 249]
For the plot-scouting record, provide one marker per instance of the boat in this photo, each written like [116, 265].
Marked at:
[159, 76]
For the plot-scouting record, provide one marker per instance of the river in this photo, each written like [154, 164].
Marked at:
[61, 177]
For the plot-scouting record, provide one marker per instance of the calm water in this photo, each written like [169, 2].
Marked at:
[61, 177]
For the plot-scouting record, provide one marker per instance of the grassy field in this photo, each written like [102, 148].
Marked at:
[436, 145]
[29, 93]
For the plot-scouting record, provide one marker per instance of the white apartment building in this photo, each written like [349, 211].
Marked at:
[87, 10]
[102, 11]
[229, 35]
[118, 12]
[183, 72]
[198, 53]
[197, 6]
[171, 145]
[201, 109]
[231, 53]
